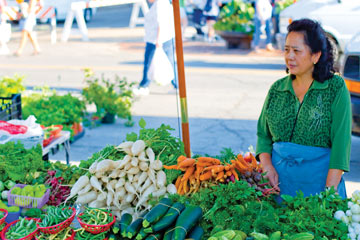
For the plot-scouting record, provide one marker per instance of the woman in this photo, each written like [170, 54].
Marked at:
[304, 130]
[27, 24]
[159, 32]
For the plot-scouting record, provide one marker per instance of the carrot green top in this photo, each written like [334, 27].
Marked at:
[323, 119]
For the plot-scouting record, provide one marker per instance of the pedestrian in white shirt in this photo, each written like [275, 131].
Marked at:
[159, 32]
[263, 12]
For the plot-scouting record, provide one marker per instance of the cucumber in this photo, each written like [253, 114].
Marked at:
[111, 236]
[155, 236]
[196, 233]
[168, 219]
[157, 212]
[302, 236]
[186, 221]
[125, 221]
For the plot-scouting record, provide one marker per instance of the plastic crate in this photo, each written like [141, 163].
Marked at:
[27, 202]
[10, 107]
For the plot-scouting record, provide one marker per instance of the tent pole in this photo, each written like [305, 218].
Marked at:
[181, 78]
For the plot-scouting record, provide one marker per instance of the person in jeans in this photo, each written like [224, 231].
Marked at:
[263, 12]
[159, 32]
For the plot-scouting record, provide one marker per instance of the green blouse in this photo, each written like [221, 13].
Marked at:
[323, 119]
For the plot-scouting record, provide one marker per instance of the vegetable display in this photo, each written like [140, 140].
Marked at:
[124, 185]
[22, 228]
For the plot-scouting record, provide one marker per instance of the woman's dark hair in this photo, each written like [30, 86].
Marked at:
[316, 39]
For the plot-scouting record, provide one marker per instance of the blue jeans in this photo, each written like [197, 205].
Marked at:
[168, 47]
[257, 33]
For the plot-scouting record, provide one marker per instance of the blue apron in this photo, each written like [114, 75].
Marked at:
[302, 168]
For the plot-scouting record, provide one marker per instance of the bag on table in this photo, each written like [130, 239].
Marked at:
[161, 70]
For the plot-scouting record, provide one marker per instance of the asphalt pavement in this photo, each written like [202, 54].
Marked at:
[225, 88]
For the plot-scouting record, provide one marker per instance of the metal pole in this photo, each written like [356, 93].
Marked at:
[181, 77]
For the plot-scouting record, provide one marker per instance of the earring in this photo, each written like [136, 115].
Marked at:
[314, 63]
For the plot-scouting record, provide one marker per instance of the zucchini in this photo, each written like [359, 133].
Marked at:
[168, 234]
[157, 212]
[155, 236]
[111, 236]
[168, 219]
[125, 221]
[302, 236]
[134, 227]
[142, 234]
[259, 236]
[196, 233]
[186, 221]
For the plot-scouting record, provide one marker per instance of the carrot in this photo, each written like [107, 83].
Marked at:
[205, 176]
[189, 171]
[198, 171]
[228, 173]
[180, 189]
[181, 158]
[204, 164]
[220, 175]
[233, 171]
[177, 183]
[242, 160]
[185, 186]
[209, 159]
[186, 163]
[212, 167]
[192, 179]
[170, 167]
[239, 166]
[217, 169]
[253, 161]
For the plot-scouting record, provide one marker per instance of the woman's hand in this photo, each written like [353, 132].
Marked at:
[268, 168]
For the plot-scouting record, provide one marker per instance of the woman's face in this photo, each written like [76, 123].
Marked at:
[298, 57]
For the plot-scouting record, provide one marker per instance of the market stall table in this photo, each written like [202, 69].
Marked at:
[63, 139]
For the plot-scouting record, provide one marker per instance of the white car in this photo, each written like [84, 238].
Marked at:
[339, 18]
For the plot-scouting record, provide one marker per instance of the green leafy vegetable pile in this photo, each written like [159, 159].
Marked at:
[20, 164]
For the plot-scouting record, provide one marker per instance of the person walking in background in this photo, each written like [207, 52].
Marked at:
[27, 24]
[198, 18]
[211, 12]
[159, 32]
[183, 17]
[262, 18]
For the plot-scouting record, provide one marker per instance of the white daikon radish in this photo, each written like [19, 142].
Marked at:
[171, 189]
[92, 168]
[99, 175]
[137, 147]
[143, 166]
[134, 161]
[130, 188]
[120, 193]
[129, 198]
[145, 196]
[151, 155]
[126, 159]
[109, 198]
[151, 174]
[160, 179]
[133, 170]
[127, 166]
[116, 201]
[86, 189]
[95, 183]
[146, 184]
[87, 198]
[120, 183]
[156, 165]
[125, 206]
[78, 185]
[110, 189]
[97, 204]
[115, 173]
[113, 183]
[117, 164]
[142, 157]
[104, 165]
[117, 214]
[122, 174]
[143, 176]
[129, 210]
[102, 196]
[127, 144]
[159, 192]
[105, 179]
[130, 177]
[136, 177]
